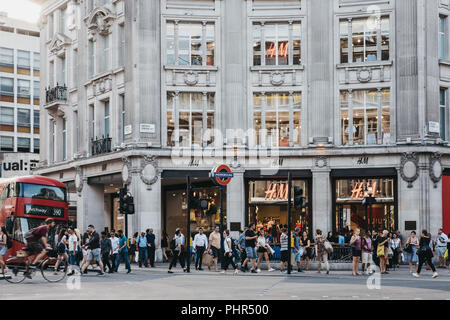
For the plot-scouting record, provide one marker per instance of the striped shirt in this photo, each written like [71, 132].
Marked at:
[284, 242]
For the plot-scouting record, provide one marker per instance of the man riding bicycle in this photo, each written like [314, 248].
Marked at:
[37, 244]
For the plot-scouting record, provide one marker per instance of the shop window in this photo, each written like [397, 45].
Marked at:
[277, 119]
[23, 91]
[368, 41]
[370, 114]
[190, 43]
[6, 144]
[7, 89]
[190, 119]
[272, 45]
[23, 144]
[23, 62]
[7, 119]
[6, 60]
[351, 213]
[23, 121]
[267, 206]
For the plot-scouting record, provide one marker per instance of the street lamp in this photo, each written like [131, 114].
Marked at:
[368, 201]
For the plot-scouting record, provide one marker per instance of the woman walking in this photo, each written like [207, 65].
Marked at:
[3, 247]
[305, 242]
[321, 252]
[355, 243]
[411, 247]
[262, 248]
[425, 254]
[229, 254]
[383, 242]
[177, 252]
[164, 246]
[61, 250]
[133, 247]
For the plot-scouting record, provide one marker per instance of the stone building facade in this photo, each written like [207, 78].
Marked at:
[350, 96]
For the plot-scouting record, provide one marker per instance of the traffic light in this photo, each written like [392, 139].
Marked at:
[194, 198]
[129, 200]
[126, 202]
[299, 199]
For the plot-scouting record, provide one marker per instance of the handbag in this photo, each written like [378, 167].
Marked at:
[328, 246]
[380, 251]
[408, 248]
[390, 252]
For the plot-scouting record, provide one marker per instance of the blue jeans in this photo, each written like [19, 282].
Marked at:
[73, 258]
[143, 256]
[123, 256]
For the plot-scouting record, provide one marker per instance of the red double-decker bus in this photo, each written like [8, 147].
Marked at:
[25, 202]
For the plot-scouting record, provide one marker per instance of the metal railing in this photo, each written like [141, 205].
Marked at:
[58, 93]
[101, 146]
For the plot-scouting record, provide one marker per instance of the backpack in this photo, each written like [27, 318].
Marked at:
[29, 234]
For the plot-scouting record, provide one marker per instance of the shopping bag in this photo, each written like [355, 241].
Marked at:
[136, 257]
[380, 251]
[207, 259]
[446, 255]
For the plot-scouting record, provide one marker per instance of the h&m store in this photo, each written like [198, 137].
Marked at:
[412, 192]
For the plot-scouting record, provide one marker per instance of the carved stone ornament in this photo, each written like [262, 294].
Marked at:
[58, 43]
[364, 75]
[100, 21]
[126, 171]
[277, 78]
[191, 78]
[409, 168]
[102, 85]
[321, 162]
[149, 171]
[435, 169]
[79, 180]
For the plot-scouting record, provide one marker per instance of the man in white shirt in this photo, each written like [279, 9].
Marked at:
[73, 245]
[115, 248]
[441, 246]
[199, 245]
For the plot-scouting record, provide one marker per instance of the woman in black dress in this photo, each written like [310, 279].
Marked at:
[425, 254]
[164, 245]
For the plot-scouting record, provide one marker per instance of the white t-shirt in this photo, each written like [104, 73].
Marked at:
[73, 238]
[115, 244]
[444, 239]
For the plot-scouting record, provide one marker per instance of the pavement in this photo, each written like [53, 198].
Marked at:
[157, 284]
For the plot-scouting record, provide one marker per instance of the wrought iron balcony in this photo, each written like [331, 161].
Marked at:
[101, 146]
[58, 93]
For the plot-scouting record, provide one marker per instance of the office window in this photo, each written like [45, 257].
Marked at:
[23, 145]
[122, 45]
[6, 60]
[23, 62]
[106, 53]
[37, 144]
[91, 63]
[36, 92]
[367, 42]
[36, 119]
[6, 144]
[23, 91]
[6, 119]
[191, 115]
[62, 80]
[92, 121]
[271, 44]
[195, 43]
[442, 37]
[107, 120]
[23, 120]
[36, 61]
[64, 140]
[122, 108]
[368, 121]
[443, 113]
[277, 119]
[6, 89]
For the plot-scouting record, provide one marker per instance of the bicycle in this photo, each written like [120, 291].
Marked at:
[17, 267]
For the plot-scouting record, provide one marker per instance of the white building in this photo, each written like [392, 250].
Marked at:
[346, 92]
[19, 96]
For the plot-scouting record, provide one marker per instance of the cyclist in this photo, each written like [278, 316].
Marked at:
[37, 245]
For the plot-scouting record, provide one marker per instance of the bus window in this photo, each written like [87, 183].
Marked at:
[18, 230]
[23, 225]
[35, 191]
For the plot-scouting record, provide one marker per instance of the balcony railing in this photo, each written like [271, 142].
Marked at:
[58, 93]
[101, 146]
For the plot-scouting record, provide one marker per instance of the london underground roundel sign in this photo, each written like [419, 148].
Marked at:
[222, 174]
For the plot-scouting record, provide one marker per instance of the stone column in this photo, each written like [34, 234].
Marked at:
[90, 207]
[235, 200]
[321, 200]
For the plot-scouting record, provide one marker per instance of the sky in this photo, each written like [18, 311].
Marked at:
[21, 9]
